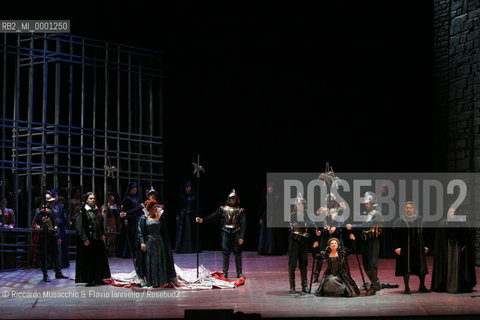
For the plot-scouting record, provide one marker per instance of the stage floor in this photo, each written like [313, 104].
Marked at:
[265, 292]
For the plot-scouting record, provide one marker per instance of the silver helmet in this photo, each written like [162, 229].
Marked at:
[300, 199]
[370, 197]
[152, 190]
[330, 197]
[233, 194]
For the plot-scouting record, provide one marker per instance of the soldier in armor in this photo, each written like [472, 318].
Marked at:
[330, 228]
[370, 232]
[298, 243]
[234, 223]
[49, 240]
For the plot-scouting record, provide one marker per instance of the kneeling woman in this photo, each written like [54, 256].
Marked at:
[336, 281]
[155, 259]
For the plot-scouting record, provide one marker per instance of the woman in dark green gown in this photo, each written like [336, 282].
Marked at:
[155, 260]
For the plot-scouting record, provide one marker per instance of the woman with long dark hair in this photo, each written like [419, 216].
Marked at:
[336, 280]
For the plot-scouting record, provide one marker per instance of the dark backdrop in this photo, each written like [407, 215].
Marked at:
[256, 89]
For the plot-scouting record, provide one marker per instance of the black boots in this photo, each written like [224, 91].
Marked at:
[291, 278]
[316, 272]
[422, 287]
[406, 280]
[45, 278]
[303, 276]
[238, 266]
[60, 275]
[226, 262]
[374, 287]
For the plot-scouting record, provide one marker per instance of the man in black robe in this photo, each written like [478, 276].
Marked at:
[410, 250]
[185, 242]
[454, 258]
[92, 263]
[272, 241]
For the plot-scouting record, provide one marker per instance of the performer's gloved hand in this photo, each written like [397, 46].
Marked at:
[240, 241]
[199, 220]
[144, 247]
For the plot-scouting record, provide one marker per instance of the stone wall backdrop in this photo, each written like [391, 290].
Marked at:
[456, 90]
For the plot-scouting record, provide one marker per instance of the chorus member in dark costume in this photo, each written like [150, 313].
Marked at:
[110, 212]
[272, 241]
[330, 227]
[371, 229]
[92, 263]
[410, 259]
[63, 223]
[131, 210]
[298, 243]
[48, 241]
[185, 241]
[154, 258]
[75, 205]
[336, 280]
[234, 224]
[454, 257]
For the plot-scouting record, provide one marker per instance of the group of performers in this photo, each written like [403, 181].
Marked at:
[143, 235]
[453, 268]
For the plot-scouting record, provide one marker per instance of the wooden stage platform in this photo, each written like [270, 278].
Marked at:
[265, 293]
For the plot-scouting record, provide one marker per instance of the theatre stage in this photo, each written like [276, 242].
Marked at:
[265, 292]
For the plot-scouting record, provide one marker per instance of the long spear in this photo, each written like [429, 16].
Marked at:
[197, 168]
[359, 265]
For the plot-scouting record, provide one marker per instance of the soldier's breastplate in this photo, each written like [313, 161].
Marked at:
[231, 217]
[300, 229]
[373, 231]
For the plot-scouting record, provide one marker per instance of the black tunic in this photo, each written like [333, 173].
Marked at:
[453, 268]
[92, 263]
[336, 280]
[409, 238]
[156, 264]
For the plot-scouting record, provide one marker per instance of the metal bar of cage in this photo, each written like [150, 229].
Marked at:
[52, 126]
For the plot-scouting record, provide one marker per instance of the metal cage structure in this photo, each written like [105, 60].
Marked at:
[72, 109]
